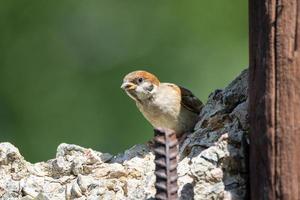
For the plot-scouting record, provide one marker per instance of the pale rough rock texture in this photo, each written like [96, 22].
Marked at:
[212, 162]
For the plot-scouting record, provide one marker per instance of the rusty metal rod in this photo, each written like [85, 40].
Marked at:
[166, 153]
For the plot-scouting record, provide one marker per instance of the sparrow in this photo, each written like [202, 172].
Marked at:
[164, 105]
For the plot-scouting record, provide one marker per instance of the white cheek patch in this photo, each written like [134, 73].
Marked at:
[153, 90]
[139, 89]
[147, 86]
[142, 91]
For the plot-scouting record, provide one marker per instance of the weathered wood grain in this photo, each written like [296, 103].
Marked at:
[274, 92]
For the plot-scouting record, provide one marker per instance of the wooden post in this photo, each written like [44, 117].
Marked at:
[274, 92]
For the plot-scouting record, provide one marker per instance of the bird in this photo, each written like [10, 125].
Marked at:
[164, 105]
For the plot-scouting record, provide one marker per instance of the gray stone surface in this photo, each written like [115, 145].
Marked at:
[212, 162]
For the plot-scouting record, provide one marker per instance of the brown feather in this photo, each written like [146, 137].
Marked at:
[190, 101]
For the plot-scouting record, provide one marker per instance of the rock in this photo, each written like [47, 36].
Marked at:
[9, 154]
[212, 162]
[42, 196]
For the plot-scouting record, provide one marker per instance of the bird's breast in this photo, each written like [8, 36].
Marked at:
[163, 110]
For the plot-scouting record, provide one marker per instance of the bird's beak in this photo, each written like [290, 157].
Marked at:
[128, 86]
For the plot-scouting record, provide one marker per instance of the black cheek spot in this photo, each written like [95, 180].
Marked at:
[150, 88]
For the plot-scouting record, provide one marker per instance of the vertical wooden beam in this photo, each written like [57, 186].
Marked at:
[274, 92]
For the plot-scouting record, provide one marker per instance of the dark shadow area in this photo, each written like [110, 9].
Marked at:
[187, 192]
[139, 150]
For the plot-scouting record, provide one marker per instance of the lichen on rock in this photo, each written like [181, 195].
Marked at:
[212, 162]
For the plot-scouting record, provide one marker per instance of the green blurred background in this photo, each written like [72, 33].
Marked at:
[62, 63]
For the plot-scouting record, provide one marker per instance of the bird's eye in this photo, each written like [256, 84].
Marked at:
[140, 80]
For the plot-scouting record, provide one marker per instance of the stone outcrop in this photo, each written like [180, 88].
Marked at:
[213, 162]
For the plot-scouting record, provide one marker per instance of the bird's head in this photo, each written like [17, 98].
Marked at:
[140, 85]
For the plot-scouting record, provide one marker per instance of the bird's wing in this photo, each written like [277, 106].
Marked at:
[190, 101]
